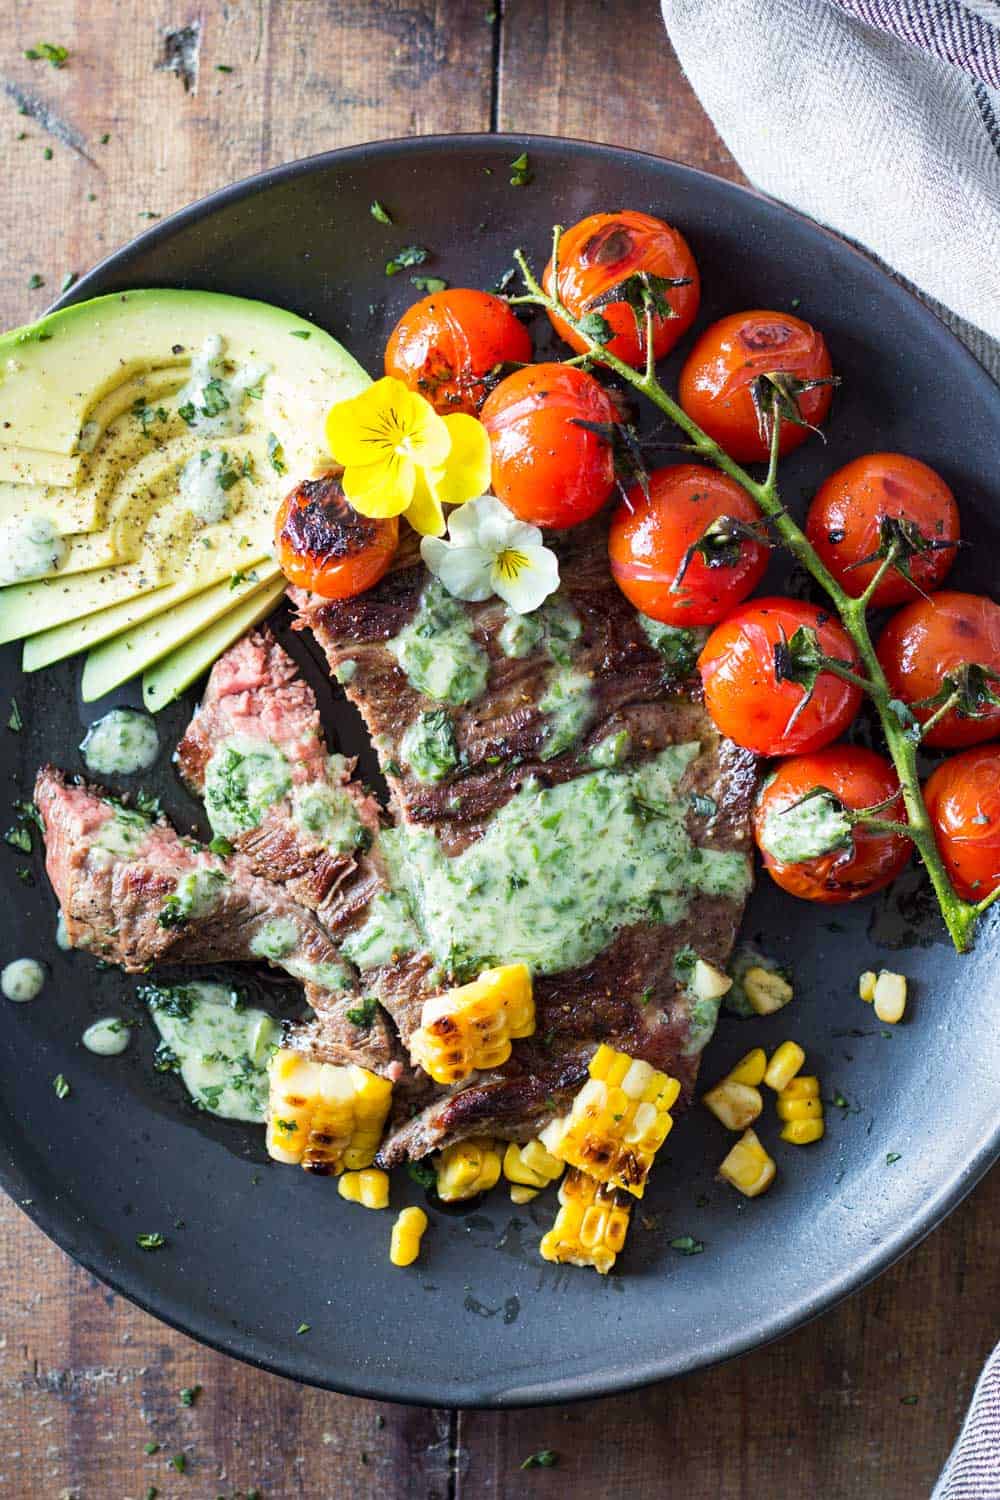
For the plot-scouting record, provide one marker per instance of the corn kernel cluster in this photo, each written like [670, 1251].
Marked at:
[737, 1102]
[467, 1168]
[324, 1116]
[369, 1187]
[618, 1121]
[530, 1168]
[472, 1027]
[591, 1224]
[407, 1232]
[886, 991]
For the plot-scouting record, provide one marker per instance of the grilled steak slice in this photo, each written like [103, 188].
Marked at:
[133, 892]
[255, 752]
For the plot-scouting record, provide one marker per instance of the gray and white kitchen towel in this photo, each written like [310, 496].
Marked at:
[880, 119]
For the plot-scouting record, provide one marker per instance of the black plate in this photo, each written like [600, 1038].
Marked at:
[260, 1249]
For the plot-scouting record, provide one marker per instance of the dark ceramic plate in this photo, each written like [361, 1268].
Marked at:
[255, 1250]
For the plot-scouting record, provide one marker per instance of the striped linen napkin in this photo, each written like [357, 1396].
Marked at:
[881, 119]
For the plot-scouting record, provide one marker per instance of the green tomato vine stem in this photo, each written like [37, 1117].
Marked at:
[960, 916]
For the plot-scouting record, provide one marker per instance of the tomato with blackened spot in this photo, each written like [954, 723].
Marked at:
[324, 545]
[941, 657]
[453, 347]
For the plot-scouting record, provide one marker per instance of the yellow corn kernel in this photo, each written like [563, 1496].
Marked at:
[784, 1065]
[737, 1105]
[531, 1165]
[799, 1109]
[708, 982]
[370, 1187]
[472, 1027]
[521, 1194]
[325, 1116]
[890, 997]
[866, 986]
[803, 1132]
[802, 1086]
[407, 1232]
[467, 1168]
[748, 1167]
[766, 990]
[617, 1122]
[750, 1069]
[591, 1224]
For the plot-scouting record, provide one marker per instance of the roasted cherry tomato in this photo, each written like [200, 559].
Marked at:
[963, 800]
[451, 346]
[600, 255]
[684, 553]
[758, 686]
[546, 468]
[877, 502]
[325, 546]
[947, 648]
[724, 384]
[809, 848]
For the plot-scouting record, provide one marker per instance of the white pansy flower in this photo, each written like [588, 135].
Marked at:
[489, 551]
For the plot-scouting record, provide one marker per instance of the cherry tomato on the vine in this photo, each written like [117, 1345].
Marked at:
[760, 689]
[683, 553]
[606, 253]
[449, 346]
[880, 501]
[809, 848]
[725, 384]
[325, 546]
[547, 468]
[963, 799]
[947, 649]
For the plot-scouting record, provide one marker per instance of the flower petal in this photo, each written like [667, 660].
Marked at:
[524, 577]
[380, 489]
[470, 524]
[467, 468]
[464, 571]
[355, 429]
[386, 419]
[425, 514]
[425, 434]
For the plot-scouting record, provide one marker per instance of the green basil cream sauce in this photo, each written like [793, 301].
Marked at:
[807, 830]
[387, 934]
[325, 814]
[220, 1050]
[428, 747]
[243, 778]
[437, 652]
[122, 742]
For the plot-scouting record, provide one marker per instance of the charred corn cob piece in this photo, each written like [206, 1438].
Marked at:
[323, 1116]
[618, 1121]
[591, 1224]
[467, 1168]
[748, 1167]
[472, 1027]
[407, 1232]
[531, 1166]
[369, 1187]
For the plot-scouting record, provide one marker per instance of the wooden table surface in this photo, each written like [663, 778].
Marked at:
[141, 120]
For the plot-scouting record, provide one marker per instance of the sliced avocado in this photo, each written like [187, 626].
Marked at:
[70, 511]
[130, 653]
[169, 677]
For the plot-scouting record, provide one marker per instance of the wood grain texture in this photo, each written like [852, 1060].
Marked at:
[87, 1380]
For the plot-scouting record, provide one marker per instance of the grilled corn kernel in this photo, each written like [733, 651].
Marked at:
[370, 1187]
[803, 1132]
[407, 1232]
[531, 1165]
[766, 990]
[708, 982]
[866, 986]
[591, 1224]
[784, 1065]
[748, 1167]
[737, 1105]
[324, 1116]
[617, 1122]
[472, 1027]
[750, 1069]
[890, 997]
[520, 1194]
[467, 1168]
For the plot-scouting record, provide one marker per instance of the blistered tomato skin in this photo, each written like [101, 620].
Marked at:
[845, 524]
[652, 535]
[547, 469]
[743, 695]
[602, 251]
[963, 800]
[449, 347]
[715, 383]
[936, 638]
[324, 545]
[857, 778]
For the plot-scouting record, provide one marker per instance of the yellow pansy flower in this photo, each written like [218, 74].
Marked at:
[401, 458]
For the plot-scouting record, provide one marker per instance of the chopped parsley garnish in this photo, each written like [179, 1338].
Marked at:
[154, 1241]
[908, 1400]
[147, 804]
[61, 1086]
[14, 719]
[35, 281]
[410, 255]
[893, 1156]
[190, 1394]
[686, 1244]
[49, 52]
[363, 1014]
[151, 1448]
[429, 283]
[223, 68]
[179, 1462]
[425, 1176]
[288, 1126]
[705, 807]
[545, 1458]
[595, 326]
[303, 1328]
[520, 172]
[221, 846]
[19, 838]
[47, 153]
[276, 454]
[380, 212]
[301, 333]
[105, 138]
